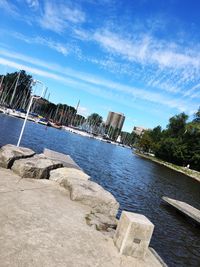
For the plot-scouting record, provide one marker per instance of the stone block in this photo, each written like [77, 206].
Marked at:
[66, 160]
[133, 234]
[37, 167]
[9, 153]
[61, 174]
[91, 194]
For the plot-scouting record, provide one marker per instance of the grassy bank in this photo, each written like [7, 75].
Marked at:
[191, 173]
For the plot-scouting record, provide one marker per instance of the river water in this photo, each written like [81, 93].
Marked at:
[137, 184]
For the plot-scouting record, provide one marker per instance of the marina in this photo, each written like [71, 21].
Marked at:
[99, 133]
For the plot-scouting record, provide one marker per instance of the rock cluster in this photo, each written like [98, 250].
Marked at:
[63, 170]
[37, 167]
[10, 153]
[103, 205]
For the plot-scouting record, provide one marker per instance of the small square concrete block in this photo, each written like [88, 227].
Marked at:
[133, 234]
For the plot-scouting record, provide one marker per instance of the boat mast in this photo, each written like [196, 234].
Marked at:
[2, 78]
[76, 110]
[14, 91]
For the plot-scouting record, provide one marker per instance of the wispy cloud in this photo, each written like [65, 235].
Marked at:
[58, 16]
[9, 7]
[160, 64]
[59, 47]
[96, 84]
[147, 50]
[34, 4]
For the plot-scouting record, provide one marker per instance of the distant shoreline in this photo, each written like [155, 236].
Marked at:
[188, 172]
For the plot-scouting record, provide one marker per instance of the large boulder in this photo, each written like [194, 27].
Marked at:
[9, 153]
[37, 167]
[103, 205]
[66, 160]
[59, 175]
[91, 194]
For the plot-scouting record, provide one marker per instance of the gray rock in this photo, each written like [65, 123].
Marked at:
[37, 167]
[66, 160]
[9, 153]
[92, 194]
[59, 175]
[103, 223]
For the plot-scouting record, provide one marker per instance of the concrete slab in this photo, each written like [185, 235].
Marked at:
[41, 227]
[184, 208]
[133, 234]
[66, 160]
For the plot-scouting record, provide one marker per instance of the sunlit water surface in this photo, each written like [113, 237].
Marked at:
[136, 183]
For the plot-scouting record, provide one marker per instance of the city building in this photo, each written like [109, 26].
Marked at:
[139, 130]
[115, 120]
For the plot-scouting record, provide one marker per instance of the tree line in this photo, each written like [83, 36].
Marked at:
[179, 143]
[15, 92]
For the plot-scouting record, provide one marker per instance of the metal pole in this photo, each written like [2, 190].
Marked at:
[28, 110]
[27, 113]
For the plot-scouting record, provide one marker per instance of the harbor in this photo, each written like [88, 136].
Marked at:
[137, 184]
[99, 133]
[34, 117]
[69, 204]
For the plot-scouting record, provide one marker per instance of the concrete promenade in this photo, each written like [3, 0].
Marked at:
[184, 208]
[40, 226]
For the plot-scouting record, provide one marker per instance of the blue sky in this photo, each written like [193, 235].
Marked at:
[141, 58]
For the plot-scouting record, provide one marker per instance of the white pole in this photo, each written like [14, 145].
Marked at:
[27, 113]
[28, 110]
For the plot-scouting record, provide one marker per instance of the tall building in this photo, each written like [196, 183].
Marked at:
[116, 120]
[139, 130]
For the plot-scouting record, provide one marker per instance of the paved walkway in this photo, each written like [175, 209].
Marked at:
[41, 227]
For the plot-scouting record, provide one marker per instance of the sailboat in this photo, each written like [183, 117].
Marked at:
[119, 139]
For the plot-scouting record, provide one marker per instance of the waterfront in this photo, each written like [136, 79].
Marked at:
[136, 183]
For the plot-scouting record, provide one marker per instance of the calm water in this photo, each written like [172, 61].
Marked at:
[136, 183]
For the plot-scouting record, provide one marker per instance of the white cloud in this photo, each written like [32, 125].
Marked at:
[59, 47]
[58, 16]
[94, 84]
[9, 7]
[34, 4]
[145, 49]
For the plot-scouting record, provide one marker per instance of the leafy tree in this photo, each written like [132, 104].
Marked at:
[129, 138]
[177, 124]
[197, 116]
[94, 119]
[179, 143]
[145, 142]
[23, 89]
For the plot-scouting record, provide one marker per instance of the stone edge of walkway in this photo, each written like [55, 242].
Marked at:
[72, 166]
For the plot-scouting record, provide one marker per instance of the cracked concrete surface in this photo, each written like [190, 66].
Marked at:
[40, 226]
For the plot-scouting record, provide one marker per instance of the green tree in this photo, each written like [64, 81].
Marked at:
[94, 119]
[177, 124]
[23, 89]
[197, 116]
[145, 142]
